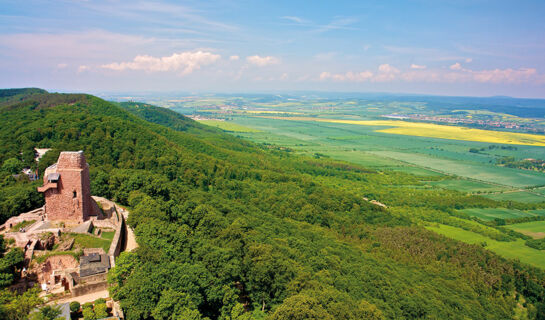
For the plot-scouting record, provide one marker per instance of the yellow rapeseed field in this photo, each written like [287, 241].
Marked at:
[431, 130]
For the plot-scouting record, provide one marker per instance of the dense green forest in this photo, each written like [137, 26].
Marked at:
[232, 230]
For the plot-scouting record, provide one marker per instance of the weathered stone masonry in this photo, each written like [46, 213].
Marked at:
[67, 189]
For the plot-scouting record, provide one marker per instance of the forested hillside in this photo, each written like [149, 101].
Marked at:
[232, 230]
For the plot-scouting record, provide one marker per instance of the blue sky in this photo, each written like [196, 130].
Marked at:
[477, 47]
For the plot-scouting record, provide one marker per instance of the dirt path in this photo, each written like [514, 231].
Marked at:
[84, 298]
[131, 240]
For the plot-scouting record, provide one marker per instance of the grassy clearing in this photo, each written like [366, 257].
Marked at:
[534, 229]
[520, 196]
[484, 172]
[227, 126]
[500, 213]
[22, 224]
[108, 235]
[74, 253]
[512, 250]
[89, 241]
[467, 186]
[416, 171]
[431, 130]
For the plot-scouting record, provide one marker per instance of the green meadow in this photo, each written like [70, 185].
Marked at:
[498, 213]
[519, 196]
[470, 186]
[512, 249]
[535, 229]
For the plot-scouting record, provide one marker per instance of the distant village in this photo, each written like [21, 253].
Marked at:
[71, 243]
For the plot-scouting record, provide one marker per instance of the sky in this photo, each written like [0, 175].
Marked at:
[447, 47]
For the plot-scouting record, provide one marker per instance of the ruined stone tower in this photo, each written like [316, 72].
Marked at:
[67, 189]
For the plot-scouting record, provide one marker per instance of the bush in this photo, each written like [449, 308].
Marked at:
[100, 310]
[88, 312]
[538, 244]
[74, 306]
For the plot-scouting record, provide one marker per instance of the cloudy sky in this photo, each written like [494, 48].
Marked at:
[451, 47]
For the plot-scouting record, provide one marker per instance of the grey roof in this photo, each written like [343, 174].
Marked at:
[93, 263]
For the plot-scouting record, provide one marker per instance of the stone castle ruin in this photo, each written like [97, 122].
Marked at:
[70, 212]
[67, 189]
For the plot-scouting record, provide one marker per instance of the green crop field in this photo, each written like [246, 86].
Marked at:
[540, 191]
[519, 196]
[487, 173]
[227, 126]
[535, 229]
[418, 171]
[512, 249]
[500, 213]
[469, 186]
[418, 155]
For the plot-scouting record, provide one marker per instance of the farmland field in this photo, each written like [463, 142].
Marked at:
[500, 213]
[521, 196]
[487, 173]
[467, 185]
[512, 249]
[535, 229]
[365, 146]
[227, 126]
[444, 132]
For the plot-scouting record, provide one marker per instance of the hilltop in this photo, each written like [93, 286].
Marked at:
[228, 229]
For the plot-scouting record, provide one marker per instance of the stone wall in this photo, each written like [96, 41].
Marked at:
[117, 241]
[94, 278]
[89, 288]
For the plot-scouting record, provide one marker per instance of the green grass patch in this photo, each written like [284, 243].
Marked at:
[469, 186]
[74, 253]
[22, 224]
[227, 126]
[511, 250]
[499, 213]
[90, 241]
[534, 229]
[108, 235]
[417, 171]
[479, 171]
[519, 196]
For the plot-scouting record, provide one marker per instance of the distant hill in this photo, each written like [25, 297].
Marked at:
[229, 229]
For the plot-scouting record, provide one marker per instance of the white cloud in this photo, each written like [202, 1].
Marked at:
[417, 66]
[348, 76]
[468, 60]
[187, 62]
[386, 72]
[62, 65]
[456, 66]
[505, 75]
[262, 61]
[234, 58]
[83, 68]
